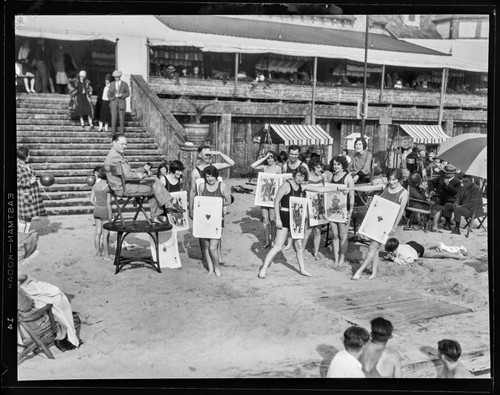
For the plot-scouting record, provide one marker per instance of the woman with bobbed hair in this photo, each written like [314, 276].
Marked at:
[340, 175]
[268, 164]
[29, 200]
[292, 187]
[361, 162]
[213, 188]
[174, 177]
[81, 90]
[394, 192]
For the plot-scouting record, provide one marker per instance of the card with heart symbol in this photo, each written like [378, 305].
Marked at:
[379, 219]
[207, 217]
[169, 250]
[179, 221]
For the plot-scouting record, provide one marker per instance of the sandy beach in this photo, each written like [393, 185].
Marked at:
[183, 323]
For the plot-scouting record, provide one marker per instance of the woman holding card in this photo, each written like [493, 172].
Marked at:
[292, 187]
[268, 164]
[394, 193]
[317, 176]
[213, 188]
[339, 175]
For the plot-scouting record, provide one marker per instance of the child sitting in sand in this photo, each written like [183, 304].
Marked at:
[101, 199]
[411, 251]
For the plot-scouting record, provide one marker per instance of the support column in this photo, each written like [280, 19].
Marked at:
[448, 127]
[224, 137]
[187, 155]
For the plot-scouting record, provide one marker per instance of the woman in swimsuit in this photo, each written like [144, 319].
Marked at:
[394, 193]
[292, 187]
[214, 188]
[339, 229]
[268, 164]
[317, 176]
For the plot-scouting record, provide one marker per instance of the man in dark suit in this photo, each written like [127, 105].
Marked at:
[469, 201]
[444, 191]
[117, 95]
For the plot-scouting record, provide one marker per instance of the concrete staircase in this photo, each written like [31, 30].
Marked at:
[59, 146]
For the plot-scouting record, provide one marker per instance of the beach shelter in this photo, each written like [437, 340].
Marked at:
[425, 134]
[293, 135]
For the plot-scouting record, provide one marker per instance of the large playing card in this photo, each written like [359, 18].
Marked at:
[169, 250]
[336, 205]
[379, 219]
[267, 188]
[179, 221]
[298, 210]
[316, 206]
[207, 217]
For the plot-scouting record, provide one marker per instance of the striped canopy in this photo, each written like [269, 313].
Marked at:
[293, 134]
[426, 134]
[467, 152]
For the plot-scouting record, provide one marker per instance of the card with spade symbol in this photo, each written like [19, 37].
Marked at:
[379, 219]
[207, 217]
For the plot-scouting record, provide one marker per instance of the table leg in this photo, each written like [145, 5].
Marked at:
[118, 253]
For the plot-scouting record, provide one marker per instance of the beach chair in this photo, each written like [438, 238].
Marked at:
[38, 331]
[124, 198]
[480, 218]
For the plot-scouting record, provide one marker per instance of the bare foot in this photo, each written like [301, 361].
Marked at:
[356, 277]
[218, 273]
[210, 272]
[304, 273]
[262, 274]
[107, 258]
[286, 247]
[372, 276]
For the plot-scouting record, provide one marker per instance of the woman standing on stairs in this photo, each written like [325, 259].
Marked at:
[80, 90]
[102, 111]
[29, 200]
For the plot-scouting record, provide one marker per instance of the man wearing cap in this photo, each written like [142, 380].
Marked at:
[117, 94]
[444, 190]
[469, 201]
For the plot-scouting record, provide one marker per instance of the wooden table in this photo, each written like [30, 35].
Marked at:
[123, 230]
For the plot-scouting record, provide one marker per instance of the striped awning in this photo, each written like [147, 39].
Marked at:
[293, 134]
[426, 134]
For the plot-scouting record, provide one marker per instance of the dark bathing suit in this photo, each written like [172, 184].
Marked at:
[285, 205]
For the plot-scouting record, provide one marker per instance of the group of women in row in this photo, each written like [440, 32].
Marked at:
[316, 179]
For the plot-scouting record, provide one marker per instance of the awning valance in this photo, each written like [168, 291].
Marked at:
[293, 134]
[426, 134]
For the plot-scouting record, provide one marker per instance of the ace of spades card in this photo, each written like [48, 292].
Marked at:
[179, 221]
[379, 219]
[207, 217]
[298, 210]
[169, 250]
[267, 188]
[316, 206]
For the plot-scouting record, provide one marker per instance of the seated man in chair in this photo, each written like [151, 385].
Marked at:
[469, 201]
[161, 196]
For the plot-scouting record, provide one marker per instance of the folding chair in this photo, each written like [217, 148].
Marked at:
[421, 207]
[481, 218]
[38, 330]
[138, 197]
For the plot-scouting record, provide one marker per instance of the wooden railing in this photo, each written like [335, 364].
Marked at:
[156, 118]
[327, 94]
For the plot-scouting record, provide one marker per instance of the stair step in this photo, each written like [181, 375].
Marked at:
[42, 168]
[62, 177]
[131, 141]
[79, 132]
[66, 148]
[60, 120]
[145, 157]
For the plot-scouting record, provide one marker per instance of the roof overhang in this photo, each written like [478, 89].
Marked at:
[292, 134]
[425, 134]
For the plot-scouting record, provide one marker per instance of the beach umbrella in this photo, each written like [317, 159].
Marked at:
[467, 152]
